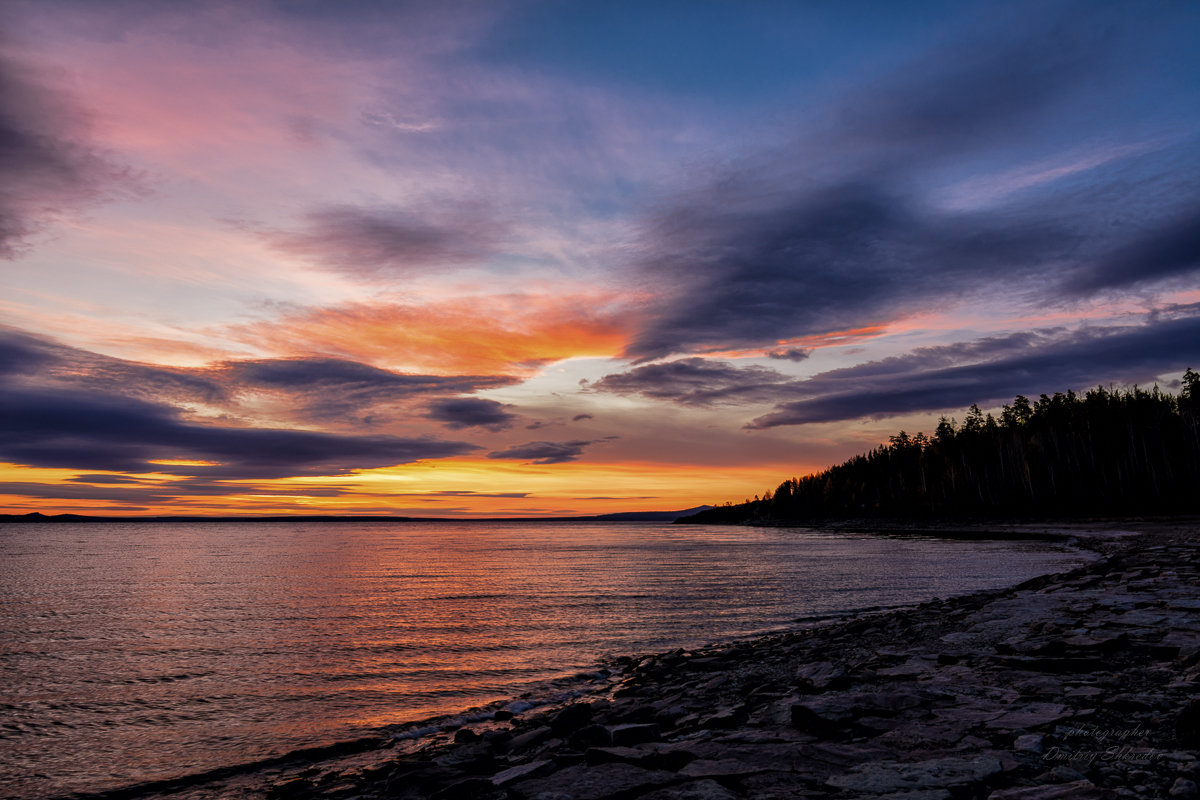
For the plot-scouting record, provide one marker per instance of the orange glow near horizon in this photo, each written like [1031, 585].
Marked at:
[449, 488]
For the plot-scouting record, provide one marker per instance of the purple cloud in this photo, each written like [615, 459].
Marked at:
[543, 452]
[392, 242]
[471, 412]
[57, 428]
[48, 166]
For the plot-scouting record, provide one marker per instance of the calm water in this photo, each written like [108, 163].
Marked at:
[137, 652]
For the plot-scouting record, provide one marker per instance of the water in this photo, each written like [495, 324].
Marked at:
[134, 652]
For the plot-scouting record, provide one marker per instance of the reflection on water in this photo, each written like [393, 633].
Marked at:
[137, 652]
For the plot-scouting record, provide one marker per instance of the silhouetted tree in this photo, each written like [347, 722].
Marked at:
[1105, 452]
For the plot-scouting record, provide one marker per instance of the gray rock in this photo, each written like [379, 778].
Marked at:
[590, 736]
[1184, 789]
[534, 769]
[529, 739]
[938, 773]
[721, 768]
[1080, 790]
[639, 733]
[1061, 774]
[696, 790]
[469, 789]
[1029, 743]
[1033, 715]
[468, 758]
[1187, 723]
[594, 783]
[912, 669]
[819, 676]
[571, 718]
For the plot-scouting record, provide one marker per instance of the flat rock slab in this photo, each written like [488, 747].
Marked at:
[522, 771]
[1033, 715]
[696, 790]
[602, 782]
[1076, 790]
[721, 768]
[938, 773]
[920, 794]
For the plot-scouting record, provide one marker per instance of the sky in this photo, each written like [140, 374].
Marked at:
[464, 259]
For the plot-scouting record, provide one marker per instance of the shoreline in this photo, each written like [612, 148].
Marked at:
[849, 699]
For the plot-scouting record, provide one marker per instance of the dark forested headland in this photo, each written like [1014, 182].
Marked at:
[1101, 453]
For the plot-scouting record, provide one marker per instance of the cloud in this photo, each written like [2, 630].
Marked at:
[152, 493]
[697, 382]
[841, 229]
[1166, 250]
[790, 354]
[543, 452]
[469, 412]
[48, 165]
[993, 370]
[387, 241]
[328, 391]
[64, 429]
[581, 417]
[510, 333]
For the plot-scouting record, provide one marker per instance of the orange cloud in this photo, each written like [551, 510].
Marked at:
[509, 333]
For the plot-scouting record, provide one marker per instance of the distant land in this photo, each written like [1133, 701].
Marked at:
[1103, 453]
[624, 516]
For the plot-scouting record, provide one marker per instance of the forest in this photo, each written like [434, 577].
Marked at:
[1105, 452]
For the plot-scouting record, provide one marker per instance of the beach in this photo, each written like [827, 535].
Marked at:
[1075, 685]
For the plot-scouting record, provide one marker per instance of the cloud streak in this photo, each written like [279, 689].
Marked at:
[326, 391]
[48, 164]
[48, 428]
[936, 378]
[697, 382]
[392, 242]
[457, 413]
[543, 452]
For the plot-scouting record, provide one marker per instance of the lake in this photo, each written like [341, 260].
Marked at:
[140, 651]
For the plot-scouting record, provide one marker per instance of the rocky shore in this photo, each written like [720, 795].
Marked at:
[1079, 685]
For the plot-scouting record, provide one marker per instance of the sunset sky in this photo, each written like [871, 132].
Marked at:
[530, 258]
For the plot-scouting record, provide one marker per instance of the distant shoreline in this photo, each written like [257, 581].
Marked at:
[623, 516]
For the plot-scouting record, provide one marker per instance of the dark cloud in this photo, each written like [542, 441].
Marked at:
[842, 230]
[697, 382]
[48, 167]
[543, 452]
[389, 241]
[471, 412]
[152, 493]
[326, 390]
[823, 260]
[992, 371]
[22, 354]
[790, 354]
[55, 428]
[580, 417]
[108, 479]
[311, 390]
[1166, 250]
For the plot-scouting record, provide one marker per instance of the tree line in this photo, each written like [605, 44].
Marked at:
[1100, 453]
